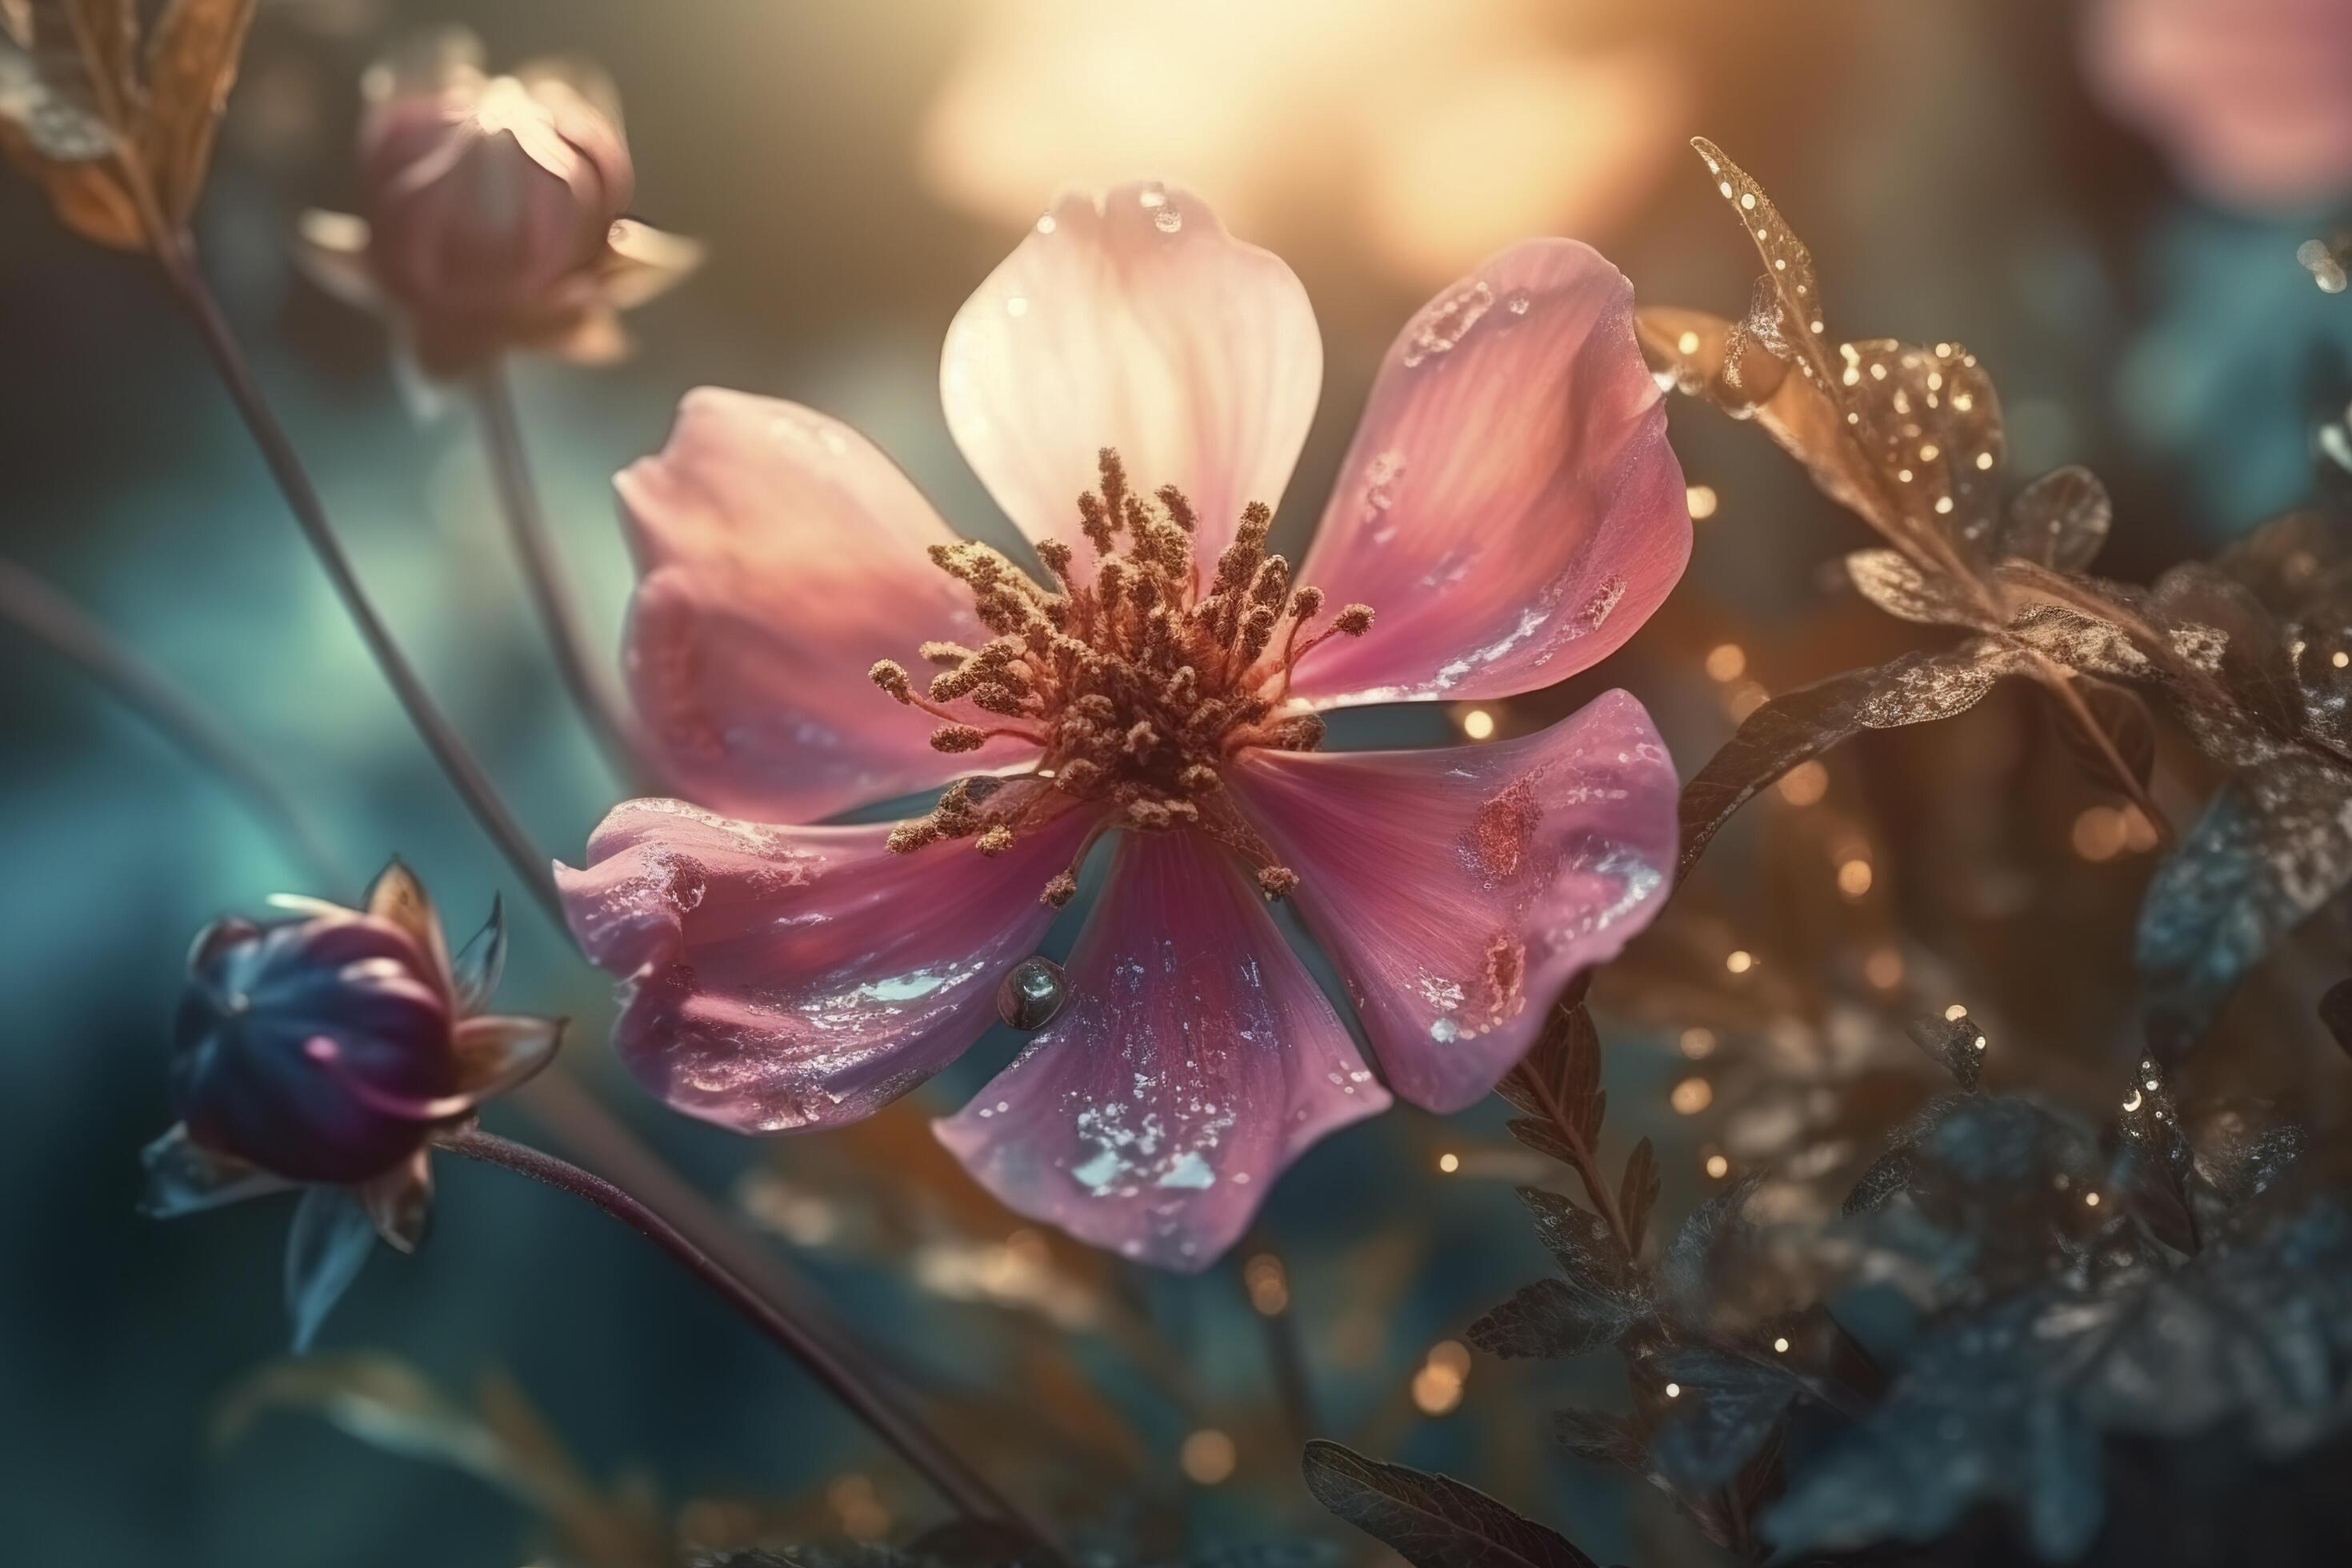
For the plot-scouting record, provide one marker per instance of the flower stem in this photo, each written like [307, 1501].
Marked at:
[456, 759]
[49, 617]
[550, 592]
[923, 1450]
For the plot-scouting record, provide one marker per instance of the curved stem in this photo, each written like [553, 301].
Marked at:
[448, 748]
[550, 592]
[962, 1488]
[49, 617]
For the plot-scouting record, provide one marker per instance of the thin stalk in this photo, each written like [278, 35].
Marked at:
[1286, 1357]
[56, 621]
[551, 590]
[449, 749]
[961, 1486]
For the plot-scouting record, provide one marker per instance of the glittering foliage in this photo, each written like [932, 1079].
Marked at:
[2250, 653]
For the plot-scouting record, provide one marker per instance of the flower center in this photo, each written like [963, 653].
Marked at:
[1138, 681]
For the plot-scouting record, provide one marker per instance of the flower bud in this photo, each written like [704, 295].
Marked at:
[319, 1049]
[489, 199]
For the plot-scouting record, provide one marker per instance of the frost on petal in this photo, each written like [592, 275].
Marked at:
[1133, 320]
[780, 978]
[1510, 508]
[779, 555]
[1459, 889]
[1195, 1059]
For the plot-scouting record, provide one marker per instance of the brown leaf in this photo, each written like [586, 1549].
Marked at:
[191, 65]
[1638, 1193]
[1798, 726]
[66, 85]
[1892, 581]
[2124, 720]
[2059, 521]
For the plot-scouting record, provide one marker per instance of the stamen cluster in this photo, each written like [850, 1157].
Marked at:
[1138, 681]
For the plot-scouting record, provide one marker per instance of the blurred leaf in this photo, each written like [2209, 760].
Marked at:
[329, 1241]
[2335, 1011]
[1897, 1167]
[2124, 719]
[1714, 1230]
[376, 1398]
[2059, 521]
[1601, 1437]
[1798, 726]
[191, 65]
[1431, 1521]
[1727, 1410]
[2273, 846]
[66, 92]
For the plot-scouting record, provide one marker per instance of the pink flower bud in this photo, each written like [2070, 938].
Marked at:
[489, 199]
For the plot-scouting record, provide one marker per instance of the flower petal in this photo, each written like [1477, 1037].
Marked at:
[781, 978]
[1133, 320]
[186, 1178]
[1194, 1060]
[1510, 509]
[1458, 890]
[329, 1240]
[779, 555]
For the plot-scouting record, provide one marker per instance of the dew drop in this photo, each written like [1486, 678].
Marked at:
[1168, 220]
[1446, 321]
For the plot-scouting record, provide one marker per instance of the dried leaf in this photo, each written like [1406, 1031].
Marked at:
[2248, 707]
[1955, 1045]
[2123, 717]
[1798, 726]
[191, 63]
[2274, 846]
[2059, 521]
[1553, 1319]
[1892, 581]
[1638, 1194]
[65, 87]
[1431, 1521]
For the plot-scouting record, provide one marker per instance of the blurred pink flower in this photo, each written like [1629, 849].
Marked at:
[2252, 99]
[1510, 509]
[493, 209]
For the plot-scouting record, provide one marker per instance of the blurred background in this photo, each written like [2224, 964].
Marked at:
[2103, 201]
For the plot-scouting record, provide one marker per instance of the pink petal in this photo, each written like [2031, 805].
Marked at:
[780, 978]
[1510, 509]
[1459, 889]
[1133, 321]
[781, 555]
[1195, 1059]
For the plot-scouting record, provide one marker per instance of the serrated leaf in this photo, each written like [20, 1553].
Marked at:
[1580, 1241]
[1798, 726]
[1706, 1239]
[1431, 1521]
[2274, 846]
[1637, 1194]
[2059, 521]
[191, 63]
[1553, 1319]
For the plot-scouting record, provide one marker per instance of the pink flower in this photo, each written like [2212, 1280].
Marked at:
[1510, 513]
[493, 209]
[2252, 99]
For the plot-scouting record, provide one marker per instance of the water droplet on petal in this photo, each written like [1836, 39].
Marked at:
[1032, 993]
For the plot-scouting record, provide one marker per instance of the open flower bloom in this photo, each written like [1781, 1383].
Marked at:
[492, 210]
[1134, 386]
[324, 1051]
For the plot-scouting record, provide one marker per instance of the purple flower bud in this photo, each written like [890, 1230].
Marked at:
[489, 199]
[322, 1050]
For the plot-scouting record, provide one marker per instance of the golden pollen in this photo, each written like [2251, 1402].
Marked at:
[1138, 679]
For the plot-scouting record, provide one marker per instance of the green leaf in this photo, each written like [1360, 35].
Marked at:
[1431, 1521]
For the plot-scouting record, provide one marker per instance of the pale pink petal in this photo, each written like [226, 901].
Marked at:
[1510, 509]
[1133, 320]
[1194, 1060]
[1459, 889]
[787, 977]
[779, 556]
